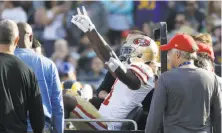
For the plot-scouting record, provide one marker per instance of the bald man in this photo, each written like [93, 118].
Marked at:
[18, 87]
[48, 80]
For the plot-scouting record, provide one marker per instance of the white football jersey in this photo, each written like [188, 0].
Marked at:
[122, 100]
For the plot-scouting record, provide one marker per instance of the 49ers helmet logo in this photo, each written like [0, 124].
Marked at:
[141, 42]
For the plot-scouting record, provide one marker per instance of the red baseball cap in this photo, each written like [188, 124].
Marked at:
[181, 42]
[204, 48]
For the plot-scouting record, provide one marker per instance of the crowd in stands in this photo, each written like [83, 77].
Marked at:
[69, 48]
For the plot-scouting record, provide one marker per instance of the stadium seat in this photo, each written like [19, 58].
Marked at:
[135, 115]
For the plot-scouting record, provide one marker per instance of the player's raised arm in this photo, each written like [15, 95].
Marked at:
[103, 50]
[132, 76]
[83, 22]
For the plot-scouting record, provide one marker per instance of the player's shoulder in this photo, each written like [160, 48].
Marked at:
[143, 72]
[142, 67]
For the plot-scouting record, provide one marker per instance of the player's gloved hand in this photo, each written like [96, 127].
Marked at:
[82, 21]
[113, 64]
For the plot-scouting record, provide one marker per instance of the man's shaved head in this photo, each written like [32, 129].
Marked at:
[25, 35]
[8, 32]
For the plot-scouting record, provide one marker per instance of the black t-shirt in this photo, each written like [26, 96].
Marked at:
[19, 93]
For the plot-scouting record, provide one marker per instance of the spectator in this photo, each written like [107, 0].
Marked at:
[180, 20]
[205, 54]
[214, 28]
[28, 8]
[214, 13]
[72, 59]
[48, 80]
[73, 34]
[61, 51]
[191, 103]
[146, 11]
[148, 28]
[52, 18]
[217, 43]
[96, 74]
[97, 12]
[209, 24]
[19, 88]
[121, 12]
[182, 25]
[194, 16]
[84, 47]
[214, 10]
[171, 15]
[36, 46]
[67, 72]
[37, 4]
[86, 53]
[180, 6]
[13, 10]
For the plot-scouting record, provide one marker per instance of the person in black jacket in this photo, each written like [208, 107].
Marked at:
[19, 89]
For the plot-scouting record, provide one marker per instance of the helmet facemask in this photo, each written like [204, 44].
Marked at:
[126, 53]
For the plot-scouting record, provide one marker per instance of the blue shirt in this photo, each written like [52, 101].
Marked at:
[49, 83]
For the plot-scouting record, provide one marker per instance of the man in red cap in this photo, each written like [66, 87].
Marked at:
[205, 56]
[187, 97]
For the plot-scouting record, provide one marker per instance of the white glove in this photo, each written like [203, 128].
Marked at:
[113, 64]
[82, 21]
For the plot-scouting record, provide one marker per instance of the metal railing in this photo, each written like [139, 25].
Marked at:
[104, 120]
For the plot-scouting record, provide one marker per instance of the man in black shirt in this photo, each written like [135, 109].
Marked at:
[19, 91]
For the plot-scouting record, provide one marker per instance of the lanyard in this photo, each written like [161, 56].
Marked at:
[185, 63]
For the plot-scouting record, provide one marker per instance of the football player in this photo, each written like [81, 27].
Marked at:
[134, 78]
